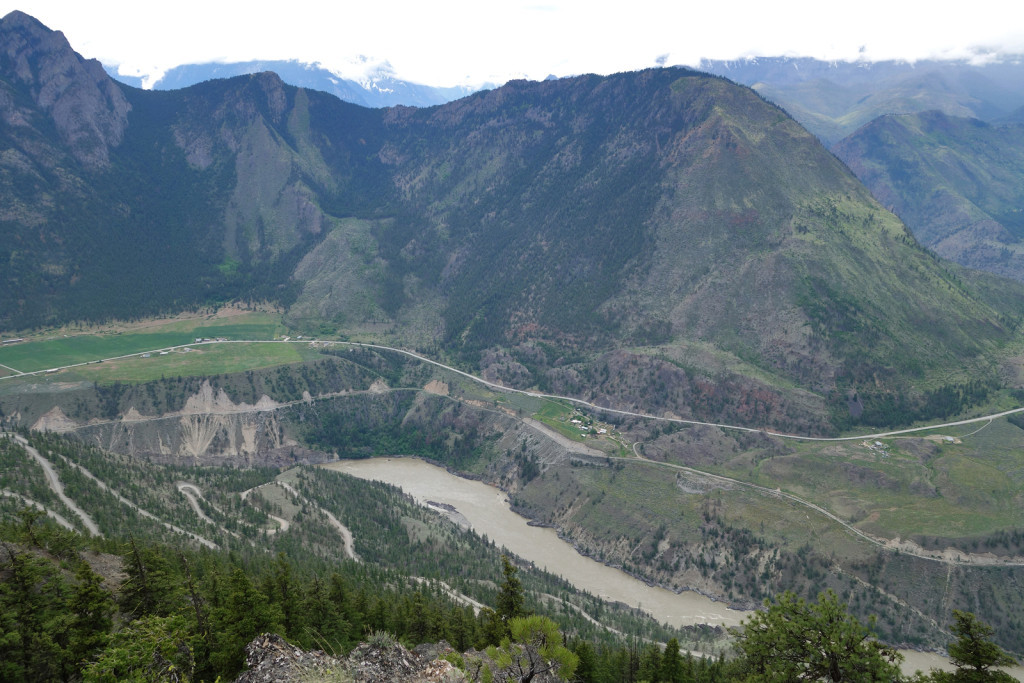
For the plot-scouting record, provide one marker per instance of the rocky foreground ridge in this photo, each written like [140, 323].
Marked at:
[270, 658]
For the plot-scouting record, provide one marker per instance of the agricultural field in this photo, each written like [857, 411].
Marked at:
[36, 354]
[199, 360]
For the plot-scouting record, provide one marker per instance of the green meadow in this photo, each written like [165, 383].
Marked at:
[43, 354]
[205, 359]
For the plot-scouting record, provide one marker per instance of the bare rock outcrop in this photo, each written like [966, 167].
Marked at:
[88, 108]
[384, 662]
[270, 658]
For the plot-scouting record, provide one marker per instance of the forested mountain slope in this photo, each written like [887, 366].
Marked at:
[534, 231]
[957, 182]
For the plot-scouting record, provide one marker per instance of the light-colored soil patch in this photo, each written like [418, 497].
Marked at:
[563, 441]
[436, 387]
[55, 421]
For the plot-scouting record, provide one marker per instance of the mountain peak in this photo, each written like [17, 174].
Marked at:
[88, 108]
[18, 19]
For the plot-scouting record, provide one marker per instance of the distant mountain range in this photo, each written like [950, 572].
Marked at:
[833, 99]
[379, 88]
[662, 239]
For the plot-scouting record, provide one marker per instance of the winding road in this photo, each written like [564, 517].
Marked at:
[534, 394]
[907, 549]
[52, 514]
[53, 481]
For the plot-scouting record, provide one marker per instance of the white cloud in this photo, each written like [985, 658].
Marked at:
[463, 42]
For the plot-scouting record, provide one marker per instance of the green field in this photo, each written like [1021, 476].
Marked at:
[206, 359]
[907, 486]
[557, 416]
[32, 356]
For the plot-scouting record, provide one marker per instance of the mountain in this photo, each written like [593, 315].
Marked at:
[833, 99]
[377, 88]
[663, 240]
[957, 182]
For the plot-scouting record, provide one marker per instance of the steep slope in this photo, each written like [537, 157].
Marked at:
[120, 202]
[958, 183]
[565, 212]
[661, 239]
[87, 206]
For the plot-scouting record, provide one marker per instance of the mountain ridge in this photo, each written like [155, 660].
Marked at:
[377, 88]
[540, 232]
[833, 99]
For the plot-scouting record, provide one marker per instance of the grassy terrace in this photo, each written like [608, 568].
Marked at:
[42, 354]
[968, 486]
[212, 359]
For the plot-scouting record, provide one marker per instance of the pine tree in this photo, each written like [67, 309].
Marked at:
[586, 669]
[672, 663]
[91, 609]
[973, 653]
[795, 641]
[244, 614]
[650, 663]
[151, 586]
[32, 612]
[326, 628]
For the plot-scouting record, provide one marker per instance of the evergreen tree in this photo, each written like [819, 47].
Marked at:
[243, 615]
[147, 650]
[326, 628]
[285, 596]
[510, 600]
[792, 640]
[650, 663]
[32, 604]
[973, 653]
[672, 663]
[90, 609]
[586, 669]
[151, 586]
[534, 647]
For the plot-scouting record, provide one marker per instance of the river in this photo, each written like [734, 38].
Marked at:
[487, 510]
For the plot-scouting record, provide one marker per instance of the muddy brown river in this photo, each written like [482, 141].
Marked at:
[487, 510]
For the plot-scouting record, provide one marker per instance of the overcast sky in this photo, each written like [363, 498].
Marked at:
[456, 42]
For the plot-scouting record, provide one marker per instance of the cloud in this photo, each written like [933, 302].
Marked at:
[454, 42]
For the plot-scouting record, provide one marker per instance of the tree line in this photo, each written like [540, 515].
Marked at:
[187, 615]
